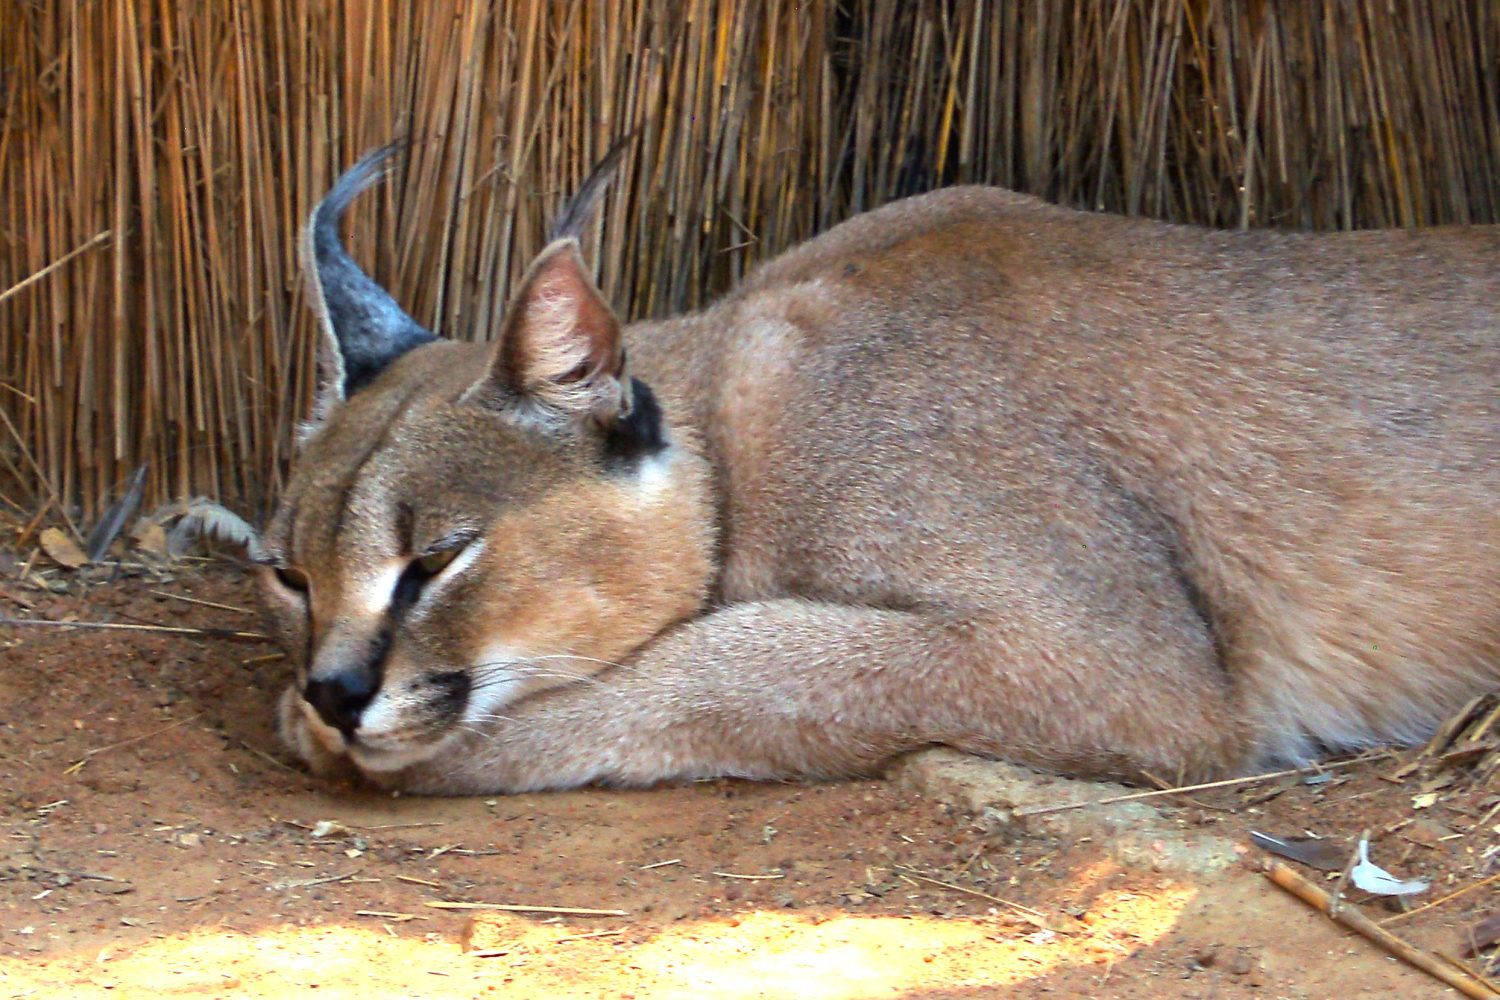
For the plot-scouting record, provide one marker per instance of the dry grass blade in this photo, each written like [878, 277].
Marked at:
[1026, 913]
[207, 633]
[1177, 790]
[571, 911]
[55, 265]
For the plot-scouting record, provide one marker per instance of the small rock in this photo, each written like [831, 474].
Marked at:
[1242, 962]
[1428, 832]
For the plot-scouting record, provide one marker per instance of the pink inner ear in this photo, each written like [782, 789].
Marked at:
[596, 323]
[559, 331]
[592, 325]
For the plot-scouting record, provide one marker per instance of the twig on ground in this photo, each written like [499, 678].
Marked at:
[1033, 917]
[304, 883]
[1225, 783]
[571, 911]
[1351, 918]
[1439, 902]
[584, 937]
[257, 751]
[384, 915]
[194, 600]
[207, 633]
[1163, 785]
[1463, 966]
[78, 764]
[419, 881]
[753, 878]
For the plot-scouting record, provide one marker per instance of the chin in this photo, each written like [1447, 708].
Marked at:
[383, 760]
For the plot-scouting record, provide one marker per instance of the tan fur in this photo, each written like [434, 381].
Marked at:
[1096, 494]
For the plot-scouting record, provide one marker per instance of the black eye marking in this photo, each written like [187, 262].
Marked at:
[418, 572]
[291, 578]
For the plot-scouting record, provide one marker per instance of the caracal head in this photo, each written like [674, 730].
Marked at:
[468, 524]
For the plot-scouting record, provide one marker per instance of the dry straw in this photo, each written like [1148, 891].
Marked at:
[198, 134]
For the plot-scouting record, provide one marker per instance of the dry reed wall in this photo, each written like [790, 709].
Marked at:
[156, 159]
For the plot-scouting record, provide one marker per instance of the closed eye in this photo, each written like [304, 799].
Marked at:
[291, 578]
[420, 571]
[435, 562]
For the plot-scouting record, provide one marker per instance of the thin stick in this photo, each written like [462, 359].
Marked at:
[571, 911]
[77, 765]
[39, 275]
[1463, 966]
[257, 751]
[584, 937]
[211, 633]
[419, 881]
[1356, 921]
[307, 883]
[1439, 902]
[750, 878]
[1226, 783]
[41, 478]
[194, 600]
[1036, 917]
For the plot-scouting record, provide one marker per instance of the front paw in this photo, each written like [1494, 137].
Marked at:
[316, 745]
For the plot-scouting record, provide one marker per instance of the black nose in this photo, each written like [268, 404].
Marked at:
[341, 698]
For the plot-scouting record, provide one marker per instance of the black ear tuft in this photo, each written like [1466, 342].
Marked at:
[364, 329]
[575, 215]
[637, 434]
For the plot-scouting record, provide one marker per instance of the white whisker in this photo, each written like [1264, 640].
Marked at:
[586, 659]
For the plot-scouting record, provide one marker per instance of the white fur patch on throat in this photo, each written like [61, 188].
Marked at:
[653, 477]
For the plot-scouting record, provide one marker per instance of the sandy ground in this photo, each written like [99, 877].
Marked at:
[159, 843]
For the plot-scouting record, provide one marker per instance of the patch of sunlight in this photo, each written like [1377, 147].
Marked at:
[764, 953]
[778, 954]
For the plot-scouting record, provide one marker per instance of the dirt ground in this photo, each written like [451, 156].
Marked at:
[159, 843]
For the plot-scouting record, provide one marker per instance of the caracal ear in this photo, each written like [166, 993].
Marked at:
[363, 329]
[559, 352]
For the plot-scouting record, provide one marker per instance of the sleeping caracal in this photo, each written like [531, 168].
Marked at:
[1096, 494]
